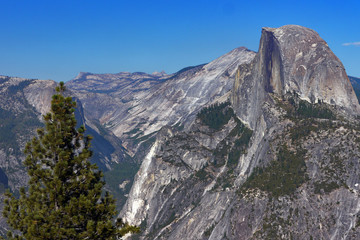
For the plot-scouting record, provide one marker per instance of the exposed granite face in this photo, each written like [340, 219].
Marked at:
[18, 123]
[310, 67]
[22, 104]
[292, 59]
[167, 186]
[180, 193]
[186, 189]
[327, 212]
[134, 112]
[39, 95]
[106, 95]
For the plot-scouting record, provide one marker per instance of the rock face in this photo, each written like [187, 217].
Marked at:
[284, 166]
[135, 106]
[19, 120]
[105, 96]
[292, 59]
[22, 103]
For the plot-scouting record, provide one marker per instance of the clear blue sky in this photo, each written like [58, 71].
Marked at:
[56, 39]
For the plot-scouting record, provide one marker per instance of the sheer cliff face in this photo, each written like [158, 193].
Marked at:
[292, 59]
[298, 177]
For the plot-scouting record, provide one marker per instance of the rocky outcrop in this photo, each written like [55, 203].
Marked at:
[18, 122]
[134, 113]
[184, 191]
[39, 94]
[291, 59]
[298, 176]
[22, 104]
[109, 96]
[170, 185]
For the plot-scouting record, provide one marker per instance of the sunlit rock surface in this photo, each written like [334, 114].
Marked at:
[138, 104]
[292, 59]
[292, 95]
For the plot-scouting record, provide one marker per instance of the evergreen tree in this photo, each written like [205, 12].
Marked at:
[64, 199]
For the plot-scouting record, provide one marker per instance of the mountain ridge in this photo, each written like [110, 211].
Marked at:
[290, 128]
[244, 147]
[174, 98]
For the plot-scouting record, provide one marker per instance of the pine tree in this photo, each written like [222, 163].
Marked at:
[64, 199]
